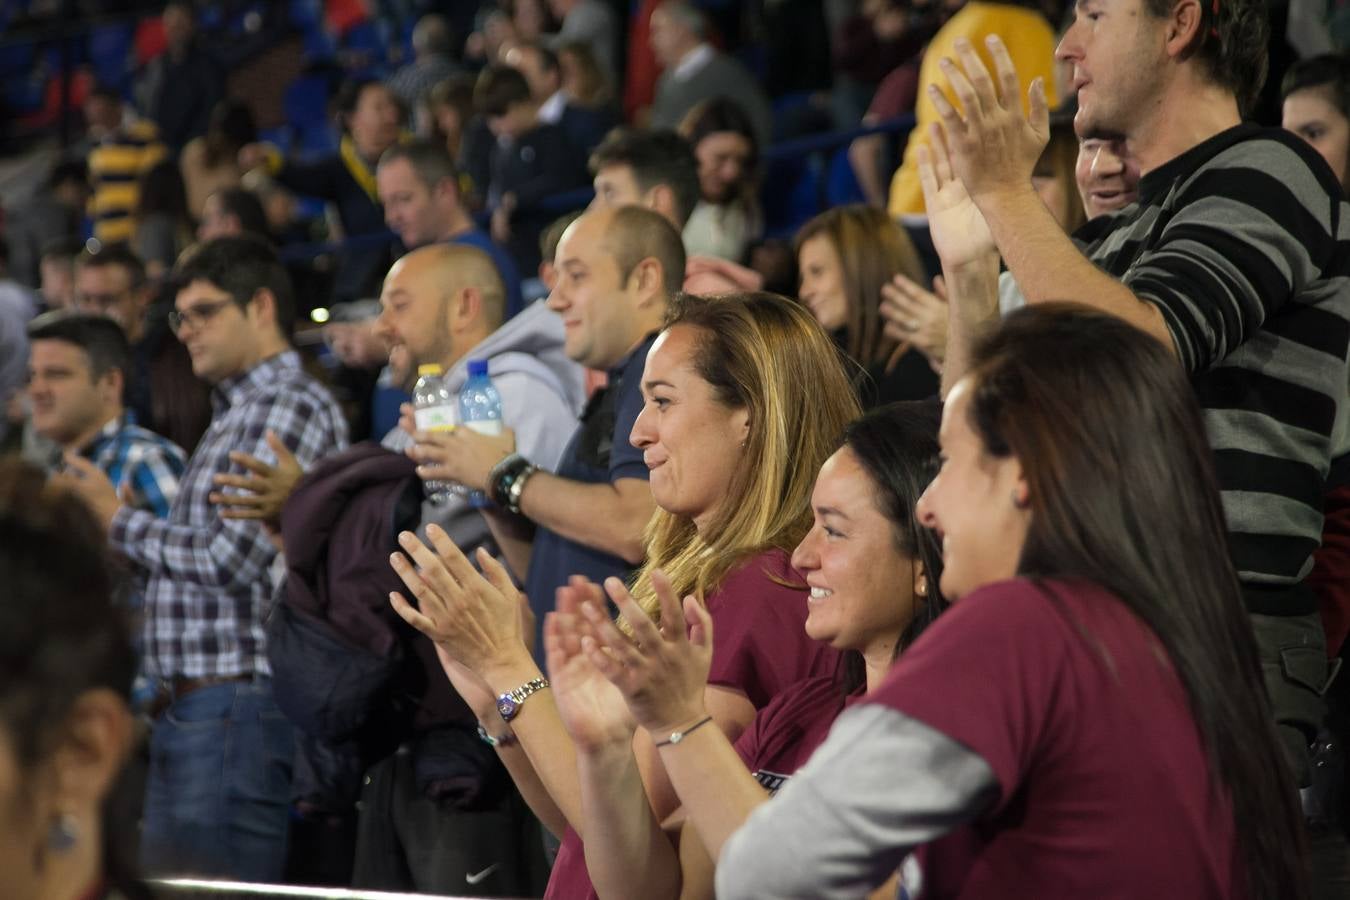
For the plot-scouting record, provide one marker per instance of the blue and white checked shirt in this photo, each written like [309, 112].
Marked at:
[128, 453]
[209, 590]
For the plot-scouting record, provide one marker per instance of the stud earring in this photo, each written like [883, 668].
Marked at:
[922, 587]
[63, 834]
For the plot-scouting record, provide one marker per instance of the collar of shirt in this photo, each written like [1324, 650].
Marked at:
[106, 435]
[694, 60]
[620, 368]
[233, 391]
[551, 110]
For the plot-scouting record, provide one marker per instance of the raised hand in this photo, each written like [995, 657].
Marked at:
[267, 488]
[960, 233]
[916, 316]
[474, 616]
[993, 145]
[592, 710]
[661, 670]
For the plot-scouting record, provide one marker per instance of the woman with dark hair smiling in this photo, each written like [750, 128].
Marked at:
[1092, 705]
[873, 573]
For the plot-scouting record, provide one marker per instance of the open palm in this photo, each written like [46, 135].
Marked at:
[592, 710]
[960, 234]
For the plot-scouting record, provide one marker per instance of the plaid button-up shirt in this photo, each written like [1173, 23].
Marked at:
[151, 464]
[209, 591]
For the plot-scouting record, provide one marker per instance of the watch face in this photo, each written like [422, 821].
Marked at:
[507, 707]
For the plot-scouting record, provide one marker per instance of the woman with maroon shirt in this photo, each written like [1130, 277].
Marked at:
[1092, 706]
[873, 573]
[734, 430]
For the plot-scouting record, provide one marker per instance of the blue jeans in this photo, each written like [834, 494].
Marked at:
[217, 799]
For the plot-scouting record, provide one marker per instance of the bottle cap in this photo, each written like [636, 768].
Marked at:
[429, 369]
[478, 367]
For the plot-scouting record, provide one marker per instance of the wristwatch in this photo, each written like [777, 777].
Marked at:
[508, 704]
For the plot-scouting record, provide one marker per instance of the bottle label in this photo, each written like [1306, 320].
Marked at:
[490, 427]
[435, 418]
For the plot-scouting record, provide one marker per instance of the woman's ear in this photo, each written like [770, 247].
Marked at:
[740, 423]
[90, 753]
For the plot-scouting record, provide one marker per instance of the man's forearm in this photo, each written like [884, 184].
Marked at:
[608, 517]
[1048, 267]
[972, 304]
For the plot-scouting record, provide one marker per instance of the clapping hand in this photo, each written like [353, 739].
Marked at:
[592, 709]
[475, 617]
[662, 670]
[992, 145]
[266, 489]
[915, 316]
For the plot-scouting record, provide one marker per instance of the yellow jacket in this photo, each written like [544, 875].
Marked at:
[1031, 45]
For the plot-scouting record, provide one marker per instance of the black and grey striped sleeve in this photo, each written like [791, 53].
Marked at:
[1249, 231]
[882, 784]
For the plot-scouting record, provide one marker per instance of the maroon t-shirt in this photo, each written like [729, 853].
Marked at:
[787, 731]
[1071, 700]
[760, 648]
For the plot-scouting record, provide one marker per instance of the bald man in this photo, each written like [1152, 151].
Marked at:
[445, 304]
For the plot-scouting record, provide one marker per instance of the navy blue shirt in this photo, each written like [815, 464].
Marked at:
[599, 452]
[506, 267]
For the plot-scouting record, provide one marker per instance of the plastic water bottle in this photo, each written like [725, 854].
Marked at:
[435, 410]
[480, 408]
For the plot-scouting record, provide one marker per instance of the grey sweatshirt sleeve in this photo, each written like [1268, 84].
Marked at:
[880, 785]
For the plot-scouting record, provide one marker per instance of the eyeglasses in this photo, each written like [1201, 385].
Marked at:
[196, 316]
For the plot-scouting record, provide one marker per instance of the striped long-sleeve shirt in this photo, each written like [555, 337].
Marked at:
[209, 588]
[116, 165]
[1242, 244]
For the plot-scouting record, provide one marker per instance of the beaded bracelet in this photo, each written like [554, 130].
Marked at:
[677, 736]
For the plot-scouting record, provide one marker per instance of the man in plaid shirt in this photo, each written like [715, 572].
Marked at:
[77, 374]
[217, 799]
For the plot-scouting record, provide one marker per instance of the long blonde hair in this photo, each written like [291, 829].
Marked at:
[768, 355]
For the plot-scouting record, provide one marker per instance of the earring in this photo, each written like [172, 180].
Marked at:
[922, 587]
[63, 834]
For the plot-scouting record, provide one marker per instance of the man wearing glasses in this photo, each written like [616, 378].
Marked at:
[220, 757]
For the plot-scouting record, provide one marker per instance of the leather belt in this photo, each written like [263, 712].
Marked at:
[178, 687]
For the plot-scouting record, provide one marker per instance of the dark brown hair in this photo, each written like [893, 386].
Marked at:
[1123, 494]
[872, 248]
[1231, 43]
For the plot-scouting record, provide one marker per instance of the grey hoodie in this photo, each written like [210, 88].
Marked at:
[542, 395]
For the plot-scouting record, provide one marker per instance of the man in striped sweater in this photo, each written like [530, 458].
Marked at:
[122, 150]
[1234, 257]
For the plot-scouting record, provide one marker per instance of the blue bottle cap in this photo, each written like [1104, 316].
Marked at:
[478, 367]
